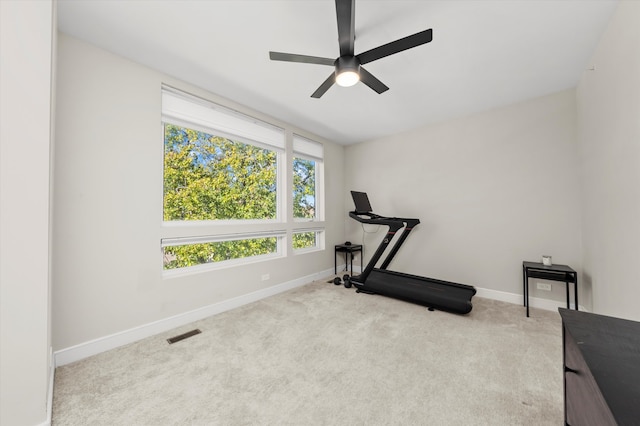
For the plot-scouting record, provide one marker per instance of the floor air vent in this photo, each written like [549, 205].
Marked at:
[183, 336]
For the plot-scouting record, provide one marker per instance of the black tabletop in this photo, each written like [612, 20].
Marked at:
[349, 246]
[554, 267]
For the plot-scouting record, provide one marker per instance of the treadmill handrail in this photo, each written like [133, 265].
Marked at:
[394, 224]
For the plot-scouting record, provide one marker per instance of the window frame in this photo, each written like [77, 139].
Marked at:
[208, 266]
[182, 105]
[310, 150]
[320, 240]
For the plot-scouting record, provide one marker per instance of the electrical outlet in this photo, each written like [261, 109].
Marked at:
[544, 286]
[265, 277]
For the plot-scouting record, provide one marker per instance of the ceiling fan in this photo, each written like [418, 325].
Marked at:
[348, 66]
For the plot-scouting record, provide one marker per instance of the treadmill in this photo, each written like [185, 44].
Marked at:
[432, 293]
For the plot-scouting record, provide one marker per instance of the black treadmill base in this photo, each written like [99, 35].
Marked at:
[434, 294]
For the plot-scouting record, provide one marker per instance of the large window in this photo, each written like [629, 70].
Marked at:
[223, 187]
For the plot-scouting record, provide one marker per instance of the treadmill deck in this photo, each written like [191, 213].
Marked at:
[433, 293]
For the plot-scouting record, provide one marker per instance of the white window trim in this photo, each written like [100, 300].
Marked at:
[186, 110]
[203, 239]
[307, 148]
[216, 223]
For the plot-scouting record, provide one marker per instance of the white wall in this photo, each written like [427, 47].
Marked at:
[26, 37]
[609, 129]
[491, 190]
[108, 193]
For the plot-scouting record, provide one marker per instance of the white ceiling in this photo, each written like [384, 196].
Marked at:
[484, 54]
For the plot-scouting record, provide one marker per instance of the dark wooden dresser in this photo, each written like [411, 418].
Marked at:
[601, 369]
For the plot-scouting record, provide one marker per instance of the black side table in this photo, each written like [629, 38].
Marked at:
[349, 250]
[554, 273]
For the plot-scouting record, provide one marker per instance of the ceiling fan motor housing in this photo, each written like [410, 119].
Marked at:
[347, 63]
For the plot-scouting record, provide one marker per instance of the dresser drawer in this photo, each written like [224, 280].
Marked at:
[584, 402]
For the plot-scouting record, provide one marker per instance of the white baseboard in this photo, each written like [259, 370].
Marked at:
[344, 268]
[501, 295]
[102, 344]
[517, 299]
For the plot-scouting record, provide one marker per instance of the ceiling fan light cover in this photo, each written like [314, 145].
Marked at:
[347, 71]
[347, 78]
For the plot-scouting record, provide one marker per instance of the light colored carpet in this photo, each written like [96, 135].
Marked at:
[324, 355]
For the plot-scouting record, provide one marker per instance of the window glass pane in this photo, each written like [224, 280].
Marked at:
[303, 240]
[197, 254]
[304, 188]
[208, 177]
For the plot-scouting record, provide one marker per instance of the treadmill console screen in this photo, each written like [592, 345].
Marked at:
[361, 201]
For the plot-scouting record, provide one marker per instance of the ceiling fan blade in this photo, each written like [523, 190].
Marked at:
[367, 78]
[396, 46]
[292, 57]
[324, 86]
[345, 12]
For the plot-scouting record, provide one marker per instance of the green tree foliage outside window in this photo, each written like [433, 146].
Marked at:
[196, 254]
[304, 240]
[208, 177]
[304, 199]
